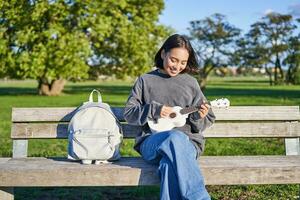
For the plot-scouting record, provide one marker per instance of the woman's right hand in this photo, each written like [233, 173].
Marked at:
[166, 111]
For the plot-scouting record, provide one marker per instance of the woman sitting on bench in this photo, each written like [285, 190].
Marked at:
[153, 97]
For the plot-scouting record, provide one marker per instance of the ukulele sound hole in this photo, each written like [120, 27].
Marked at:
[172, 115]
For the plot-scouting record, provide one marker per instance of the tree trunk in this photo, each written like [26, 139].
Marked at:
[202, 78]
[51, 89]
[275, 72]
[289, 75]
[203, 83]
[278, 80]
[203, 74]
[269, 72]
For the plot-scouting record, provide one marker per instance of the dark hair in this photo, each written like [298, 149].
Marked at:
[177, 41]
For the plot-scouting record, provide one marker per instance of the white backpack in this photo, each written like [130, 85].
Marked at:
[94, 133]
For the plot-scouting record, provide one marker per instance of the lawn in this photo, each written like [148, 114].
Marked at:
[240, 91]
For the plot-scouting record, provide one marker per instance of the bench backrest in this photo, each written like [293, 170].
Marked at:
[236, 121]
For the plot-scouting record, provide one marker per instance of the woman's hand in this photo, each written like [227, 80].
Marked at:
[166, 111]
[204, 110]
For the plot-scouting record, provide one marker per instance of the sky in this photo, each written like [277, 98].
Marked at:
[240, 13]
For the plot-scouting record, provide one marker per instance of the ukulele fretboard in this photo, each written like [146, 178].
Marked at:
[188, 110]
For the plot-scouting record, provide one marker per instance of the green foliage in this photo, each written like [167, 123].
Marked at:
[216, 34]
[53, 40]
[134, 37]
[293, 61]
[267, 44]
[271, 35]
[214, 39]
[296, 75]
[250, 52]
[43, 41]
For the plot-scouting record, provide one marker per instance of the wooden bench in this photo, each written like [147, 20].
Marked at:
[235, 122]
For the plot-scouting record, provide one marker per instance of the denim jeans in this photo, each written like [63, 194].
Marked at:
[178, 168]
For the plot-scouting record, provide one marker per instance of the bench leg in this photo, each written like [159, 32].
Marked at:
[20, 148]
[6, 193]
[292, 146]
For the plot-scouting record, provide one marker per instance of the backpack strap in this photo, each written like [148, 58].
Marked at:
[99, 96]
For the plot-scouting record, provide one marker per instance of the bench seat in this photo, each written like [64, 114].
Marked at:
[133, 171]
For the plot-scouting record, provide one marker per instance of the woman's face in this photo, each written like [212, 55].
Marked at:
[175, 60]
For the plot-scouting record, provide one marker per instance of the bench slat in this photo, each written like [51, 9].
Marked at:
[232, 113]
[218, 130]
[42, 114]
[54, 130]
[217, 170]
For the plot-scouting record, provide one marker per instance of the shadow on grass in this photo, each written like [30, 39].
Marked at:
[81, 193]
[245, 81]
[112, 89]
[16, 91]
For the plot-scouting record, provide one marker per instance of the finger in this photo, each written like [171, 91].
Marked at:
[203, 112]
[166, 111]
[204, 109]
[205, 106]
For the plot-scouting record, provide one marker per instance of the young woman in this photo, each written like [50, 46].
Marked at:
[152, 97]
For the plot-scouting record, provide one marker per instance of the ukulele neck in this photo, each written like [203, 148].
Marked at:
[188, 110]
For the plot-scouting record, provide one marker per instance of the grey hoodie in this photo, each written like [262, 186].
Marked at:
[153, 90]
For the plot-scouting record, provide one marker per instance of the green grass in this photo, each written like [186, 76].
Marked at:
[240, 91]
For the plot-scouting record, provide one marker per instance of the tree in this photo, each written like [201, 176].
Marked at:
[129, 49]
[53, 40]
[293, 61]
[44, 43]
[274, 32]
[214, 39]
[6, 56]
[251, 53]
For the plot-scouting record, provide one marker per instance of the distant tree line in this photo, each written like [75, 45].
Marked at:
[271, 43]
[57, 40]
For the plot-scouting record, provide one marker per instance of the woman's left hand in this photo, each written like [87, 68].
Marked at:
[204, 110]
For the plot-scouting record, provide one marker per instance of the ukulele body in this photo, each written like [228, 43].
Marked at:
[176, 119]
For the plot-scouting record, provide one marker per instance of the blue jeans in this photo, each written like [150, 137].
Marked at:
[178, 168]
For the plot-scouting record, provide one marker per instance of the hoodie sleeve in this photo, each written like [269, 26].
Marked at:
[137, 111]
[199, 124]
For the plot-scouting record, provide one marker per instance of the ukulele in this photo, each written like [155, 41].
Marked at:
[178, 117]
